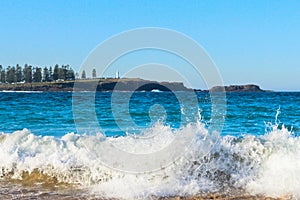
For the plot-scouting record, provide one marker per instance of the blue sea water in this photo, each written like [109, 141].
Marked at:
[257, 151]
[50, 113]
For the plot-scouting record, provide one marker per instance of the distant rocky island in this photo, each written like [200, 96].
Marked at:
[123, 84]
[238, 88]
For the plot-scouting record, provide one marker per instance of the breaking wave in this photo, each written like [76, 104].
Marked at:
[257, 165]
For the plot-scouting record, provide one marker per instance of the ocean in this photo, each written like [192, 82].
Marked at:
[148, 145]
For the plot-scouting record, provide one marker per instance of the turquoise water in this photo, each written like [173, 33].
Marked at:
[51, 113]
[257, 151]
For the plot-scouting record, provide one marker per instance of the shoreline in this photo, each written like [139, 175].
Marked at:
[47, 187]
[72, 193]
[123, 84]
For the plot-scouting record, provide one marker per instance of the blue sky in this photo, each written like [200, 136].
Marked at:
[250, 41]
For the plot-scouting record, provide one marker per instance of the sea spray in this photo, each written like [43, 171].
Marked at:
[279, 173]
[260, 165]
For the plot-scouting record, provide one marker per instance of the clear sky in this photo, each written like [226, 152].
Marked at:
[250, 41]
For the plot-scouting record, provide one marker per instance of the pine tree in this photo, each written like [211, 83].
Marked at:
[0, 72]
[37, 75]
[10, 74]
[28, 73]
[19, 74]
[3, 76]
[65, 69]
[70, 74]
[83, 75]
[56, 72]
[50, 74]
[94, 74]
[62, 72]
[46, 77]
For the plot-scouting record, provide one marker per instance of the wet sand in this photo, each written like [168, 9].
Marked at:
[41, 186]
[13, 191]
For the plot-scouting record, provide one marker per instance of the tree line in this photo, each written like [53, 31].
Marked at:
[29, 74]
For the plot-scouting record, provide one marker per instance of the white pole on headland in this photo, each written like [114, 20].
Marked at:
[117, 74]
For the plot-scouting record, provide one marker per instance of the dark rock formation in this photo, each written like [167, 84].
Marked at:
[140, 85]
[238, 88]
[126, 84]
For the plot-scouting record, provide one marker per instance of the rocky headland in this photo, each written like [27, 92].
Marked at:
[110, 84]
[124, 84]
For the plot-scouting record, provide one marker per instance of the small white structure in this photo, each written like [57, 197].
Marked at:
[117, 74]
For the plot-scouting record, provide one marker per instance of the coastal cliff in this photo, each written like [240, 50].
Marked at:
[124, 84]
[110, 84]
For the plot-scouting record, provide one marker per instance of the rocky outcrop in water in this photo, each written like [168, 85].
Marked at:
[238, 88]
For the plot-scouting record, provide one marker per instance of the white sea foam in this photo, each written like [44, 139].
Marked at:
[279, 173]
[267, 165]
